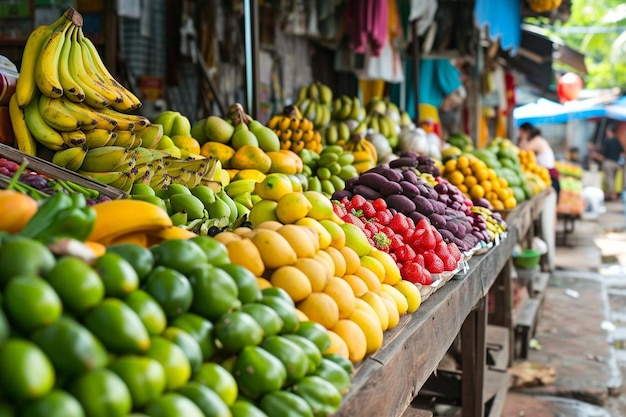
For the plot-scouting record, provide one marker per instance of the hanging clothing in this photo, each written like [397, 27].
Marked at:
[367, 21]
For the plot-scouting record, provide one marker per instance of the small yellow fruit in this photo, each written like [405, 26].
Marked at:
[302, 316]
[411, 293]
[263, 283]
[298, 238]
[337, 235]
[342, 293]
[316, 272]
[357, 284]
[243, 252]
[370, 279]
[338, 345]
[293, 281]
[323, 235]
[354, 338]
[273, 187]
[371, 329]
[373, 265]
[392, 310]
[338, 260]
[353, 262]
[263, 211]
[327, 260]
[321, 206]
[399, 298]
[320, 308]
[392, 273]
[292, 207]
[275, 250]
[379, 308]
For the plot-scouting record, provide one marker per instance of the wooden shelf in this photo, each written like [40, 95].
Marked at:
[540, 284]
[497, 385]
[498, 347]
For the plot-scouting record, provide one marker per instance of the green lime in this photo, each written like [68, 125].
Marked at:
[139, 257]
[141, 189]
[200, 329]
[174, 189]
[144, 377]
[219, 380]
[258, 372]
[316, 333]
[25, 371]
[188, 344]
[246, 409]
[265, 316]
[30, 302]
[206, 399]
[173, 404]
[312, 352]
[174, 362]
[118, 327]
[149, 311]
[72, 348]
[285, 310]
[181, 255]
[170, 289]
[102, 394]
[188, 203]
[24, 257]
[56, 403]
[118, 275]
[215, 251]
[214, 292]
[341, 361]
[77, 284]
[290, 354]
[236, 330]
[277, 292]
[247, 285]
[335, 374]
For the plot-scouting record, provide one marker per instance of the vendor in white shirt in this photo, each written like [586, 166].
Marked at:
[530, 139]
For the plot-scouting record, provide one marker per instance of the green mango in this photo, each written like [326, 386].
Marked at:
[322, 396]
[291, 355]
[259, 372]
[335, 374]
[285, 404]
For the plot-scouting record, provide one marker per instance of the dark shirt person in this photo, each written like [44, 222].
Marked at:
[611, 153]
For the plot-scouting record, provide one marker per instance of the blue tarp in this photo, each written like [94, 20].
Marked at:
[617, 110]
[549, 112]
[503, 19]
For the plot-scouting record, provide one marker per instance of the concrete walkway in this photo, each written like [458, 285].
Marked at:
[579, 329]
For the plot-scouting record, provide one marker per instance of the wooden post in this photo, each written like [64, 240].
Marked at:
[473, 344]
[474, 93]
[251, 38]
[416, 70]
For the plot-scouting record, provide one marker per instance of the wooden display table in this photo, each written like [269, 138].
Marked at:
[387, 381]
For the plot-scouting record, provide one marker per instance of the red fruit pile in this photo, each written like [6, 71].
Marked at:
[418, 249]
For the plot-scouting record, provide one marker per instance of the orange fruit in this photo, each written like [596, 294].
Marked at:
[476, 192]
[338, 236]
[399, 298]
[392, 310]
[338, 345]
[338, 260]
[327, 260]
[357, 284]
[379, 308]
[243, 252]
[316, 272]
[353, 262]
[251, 157]
[293, 281]
[370, 279]
[298, 239]
[320, 308]
[373, 265]
[302, 316]
[392, 273]
[324, 238]
[354, 338]
[263, 283]
[343, 295]
[371, 329]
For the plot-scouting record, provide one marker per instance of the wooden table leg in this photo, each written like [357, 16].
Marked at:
[473, 357]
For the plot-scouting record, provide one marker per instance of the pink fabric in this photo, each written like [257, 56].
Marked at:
[368, 24]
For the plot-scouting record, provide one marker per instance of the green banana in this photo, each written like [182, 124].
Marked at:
[108, 158]
[108, 177]
[239, 187]
[40, 130]
[96, 138]
[71, 158]
[57, 117]
[74, 138]
[231, 204]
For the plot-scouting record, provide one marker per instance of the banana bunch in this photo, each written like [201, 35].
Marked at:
[364, 152]
[383, 117]
[67, 97]
[335, 131]
[494, 224]
[328, 171]
[295, 131]
[348, 108]
[316, 92]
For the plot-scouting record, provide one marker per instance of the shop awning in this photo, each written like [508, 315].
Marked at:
[550, 112]
[617, 110]
[502, 21]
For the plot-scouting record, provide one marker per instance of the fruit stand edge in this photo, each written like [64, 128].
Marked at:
[387, 381]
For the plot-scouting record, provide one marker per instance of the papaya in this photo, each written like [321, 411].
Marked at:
[79, 287]
[71, 348]
[23, 256]
[117, 274]
[218, 379]
[285, 404]
[172, 358]
[247, 288]
[258, 372]
[140, 258]
[290, 354]
[341, 361]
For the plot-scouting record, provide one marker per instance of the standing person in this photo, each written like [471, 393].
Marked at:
[610, 155]
[530, 139]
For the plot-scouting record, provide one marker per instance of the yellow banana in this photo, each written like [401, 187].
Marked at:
[104, 177]
[47, 69]
[129, 100]
[138, 120]
[96, 138]
[26, 86]
[139, 216]
[125, 139]
[79, 111]
[23, 138]
[302, 94]
[273, 122]
[71, 158]
[286, 135]
[297, 135]
[93, 97]
[40, 130]
[108, 158]
[143, 156]
[74, 138]
[71, 89]
[284, 123]
[56, 116]
[294, 123]
[306, 124]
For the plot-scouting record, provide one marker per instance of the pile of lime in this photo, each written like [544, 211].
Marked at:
[174, 330]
